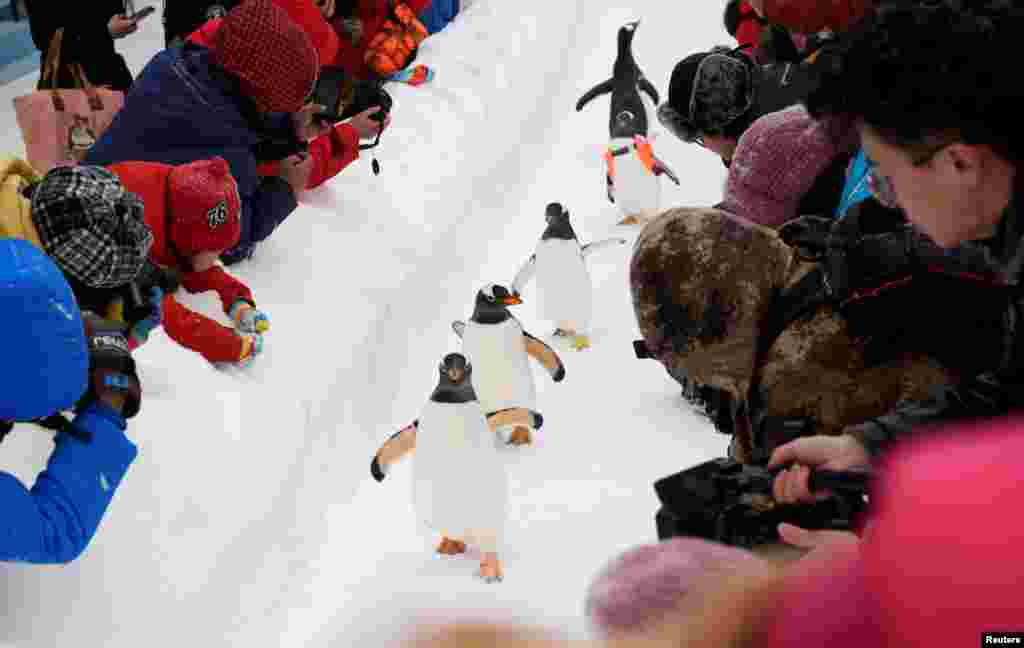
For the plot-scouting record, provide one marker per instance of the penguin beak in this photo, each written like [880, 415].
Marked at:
[512, 300]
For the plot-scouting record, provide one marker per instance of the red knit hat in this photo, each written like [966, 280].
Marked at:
[203, 207]
[271, 56]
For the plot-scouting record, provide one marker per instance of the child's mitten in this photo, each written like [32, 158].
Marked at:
[140, 331]
[247, 318]
[252, 346]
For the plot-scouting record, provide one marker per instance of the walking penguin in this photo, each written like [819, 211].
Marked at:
[495, 342]
[460, 485]
[632, 169]
[563, 282]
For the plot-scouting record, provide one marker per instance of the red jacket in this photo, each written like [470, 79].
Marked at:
[810, 16]
[332, 151]
[214, 341]
[372, 14]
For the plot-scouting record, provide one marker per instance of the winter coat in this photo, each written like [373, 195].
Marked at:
[15, 208]
[215, 342]
[54, 521]
[371, 14]
[87, 40]
[437, 16]
[809, 16]
[183, 108]
[330, 152]
[993, 392]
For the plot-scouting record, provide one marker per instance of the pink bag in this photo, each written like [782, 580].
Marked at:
[60, 126]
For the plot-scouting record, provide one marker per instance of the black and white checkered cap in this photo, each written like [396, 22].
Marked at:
[92, 227]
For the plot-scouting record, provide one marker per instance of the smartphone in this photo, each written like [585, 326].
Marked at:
[141, 13]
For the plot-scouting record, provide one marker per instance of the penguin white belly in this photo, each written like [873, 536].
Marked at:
[502, 377]
[564, 290]
[636, 189]
[460, 485]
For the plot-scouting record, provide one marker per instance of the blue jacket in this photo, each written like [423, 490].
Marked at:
[55, 520]
[439, 14]
[182, 108]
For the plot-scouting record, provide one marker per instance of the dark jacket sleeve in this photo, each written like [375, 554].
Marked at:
[984, 396]
[55, 520]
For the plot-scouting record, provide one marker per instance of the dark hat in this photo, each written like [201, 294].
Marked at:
[707, 92]
[91, 225]
[46, 362]
[272, 58]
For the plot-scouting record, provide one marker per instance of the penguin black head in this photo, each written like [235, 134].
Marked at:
[559, 226]
[455, 369]
[454, 384]
[626, 33]
[492, 304]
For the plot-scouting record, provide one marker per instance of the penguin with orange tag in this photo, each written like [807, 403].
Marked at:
[632, 168]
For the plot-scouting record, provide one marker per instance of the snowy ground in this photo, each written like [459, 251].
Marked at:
[250, 517]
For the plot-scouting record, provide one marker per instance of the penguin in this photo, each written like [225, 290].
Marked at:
[563, 282]
[460, 485]
[632, 169]
[500, 349]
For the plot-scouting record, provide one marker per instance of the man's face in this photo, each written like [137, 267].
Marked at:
[939, 189]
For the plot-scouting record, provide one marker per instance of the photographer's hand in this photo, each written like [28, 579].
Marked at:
[307, 124]
[841, 452]
[811, 539]
[368, 127]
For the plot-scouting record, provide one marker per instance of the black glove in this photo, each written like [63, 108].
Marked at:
[962, 321]
[111, 367]
[869, 247]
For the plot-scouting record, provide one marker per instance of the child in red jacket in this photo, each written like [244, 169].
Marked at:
[193, 211]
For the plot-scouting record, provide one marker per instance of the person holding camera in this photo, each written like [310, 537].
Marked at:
[249, 86]
[193, 211]
[947, 139]
[328, 153]
[58, 358]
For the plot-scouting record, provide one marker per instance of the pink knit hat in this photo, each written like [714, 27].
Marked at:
[777, 162]
[642, 585]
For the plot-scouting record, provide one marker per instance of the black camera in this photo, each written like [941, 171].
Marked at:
[344, 96]
[729, 502]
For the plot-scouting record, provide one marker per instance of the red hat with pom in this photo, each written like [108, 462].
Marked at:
[272, 57]
[203, 207]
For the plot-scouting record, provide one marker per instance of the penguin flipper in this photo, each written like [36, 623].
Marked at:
[515, 416]
[524, 275]
[545, 355]
[397, 446]
[590, 248]
[459, 327]
[662, 168]
[648, 87]
[600, 89]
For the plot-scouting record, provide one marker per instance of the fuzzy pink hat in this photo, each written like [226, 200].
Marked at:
[777, 162]
[643, 584]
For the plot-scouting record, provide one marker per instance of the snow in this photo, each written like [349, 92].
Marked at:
[250, 517]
